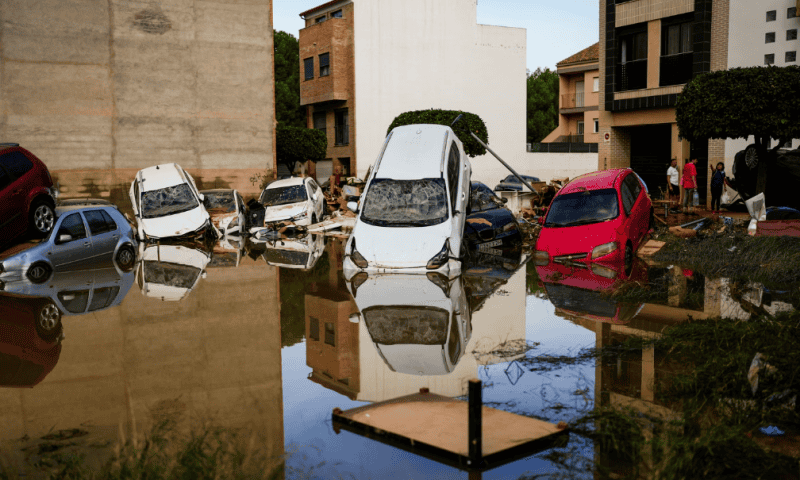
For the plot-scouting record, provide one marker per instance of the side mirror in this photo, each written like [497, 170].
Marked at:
[352, 206]
[64, 238]
[504, 200]
[315, 196]
[202, 197]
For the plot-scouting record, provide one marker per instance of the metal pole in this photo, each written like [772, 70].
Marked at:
[475, 427]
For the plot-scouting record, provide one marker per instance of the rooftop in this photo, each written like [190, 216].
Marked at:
[320, 7]
[588, 54]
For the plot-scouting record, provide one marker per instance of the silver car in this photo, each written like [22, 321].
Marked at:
[85, 236]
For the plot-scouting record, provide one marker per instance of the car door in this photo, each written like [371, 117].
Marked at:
[15, 166]
[455, 180]
[76, 253]
[12, 207]
[104, 234]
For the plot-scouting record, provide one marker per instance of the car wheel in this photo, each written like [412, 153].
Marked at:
[48, 321]
[628, 258]
[126, 258]
[42, 218]
[39, 272]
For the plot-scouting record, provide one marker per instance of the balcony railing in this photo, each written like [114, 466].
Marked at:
[342, 136]
[676, 69]
[573, 100]
[632, 75]
[562, 147]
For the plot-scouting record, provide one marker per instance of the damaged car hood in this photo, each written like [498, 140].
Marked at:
[283, 212]
[175, 225]
[397, 247]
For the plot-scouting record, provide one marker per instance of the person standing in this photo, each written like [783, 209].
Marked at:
[717, 186]
[689, 184]
[673, 185]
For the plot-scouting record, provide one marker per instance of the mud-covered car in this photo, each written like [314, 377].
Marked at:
[491, 227]
[296, 199]
[227, 210]
[166, 204]
[83, 237]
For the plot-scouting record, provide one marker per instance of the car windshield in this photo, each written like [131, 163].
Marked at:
[514, 179]
[587, 302]
[168, 201]
[482, 199]
[271, 197]
[170, 274]
[581, 208]
[219, 202]
[405, 203]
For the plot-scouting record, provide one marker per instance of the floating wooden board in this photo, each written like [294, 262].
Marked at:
[332, 223]
[650, 248]
[436, 427]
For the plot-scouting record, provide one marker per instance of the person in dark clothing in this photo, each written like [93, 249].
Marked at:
[717, 186]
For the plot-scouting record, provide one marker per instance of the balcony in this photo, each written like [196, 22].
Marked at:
[573, 100]
[342, 136]
[632, 75]
[676, 69]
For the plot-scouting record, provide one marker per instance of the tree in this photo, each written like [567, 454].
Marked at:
[446, 117]
[542, 104]
[287, 81]
[736, 103]
[298, 144]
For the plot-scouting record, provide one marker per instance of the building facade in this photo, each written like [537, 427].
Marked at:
[403, 60]
[579, 88]
[100, 90]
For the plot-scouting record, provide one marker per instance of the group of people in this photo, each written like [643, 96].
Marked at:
[689, 183]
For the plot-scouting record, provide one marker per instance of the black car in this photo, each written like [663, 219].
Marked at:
[490, 227]
[511, 182]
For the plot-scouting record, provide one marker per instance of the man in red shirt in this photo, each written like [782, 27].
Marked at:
[689, 184]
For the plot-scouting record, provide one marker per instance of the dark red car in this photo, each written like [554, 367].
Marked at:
[27, 196]
[597, 217]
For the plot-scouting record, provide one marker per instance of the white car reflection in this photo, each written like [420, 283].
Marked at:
[170, 272]
[420, 325]
[227, 252]
[288, 252]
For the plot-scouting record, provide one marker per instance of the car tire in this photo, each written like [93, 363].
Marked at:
[48, 321]
[126, 258]
[628, 259]
[39, 272]
[42, 218]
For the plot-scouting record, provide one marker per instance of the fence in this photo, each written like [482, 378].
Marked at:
[562, 147]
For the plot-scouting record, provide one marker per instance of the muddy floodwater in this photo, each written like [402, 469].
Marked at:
[269, 341]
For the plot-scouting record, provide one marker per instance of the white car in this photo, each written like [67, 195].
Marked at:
[419, 324]
[166, 203]
[170, 272]
[412, 213]
[300, 253]
[295, 199]
[226, 209]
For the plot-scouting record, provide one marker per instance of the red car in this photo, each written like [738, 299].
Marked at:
[598, 217]
[27, 196]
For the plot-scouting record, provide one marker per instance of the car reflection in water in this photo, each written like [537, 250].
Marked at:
[227, 253]
[170, 272]
[292, 252]
[485, 273]
[419, 324]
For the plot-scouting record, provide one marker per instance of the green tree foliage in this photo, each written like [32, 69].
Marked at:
[736, 103]
[298, 144]
[287, 81]
[542, 104]
[446, 117]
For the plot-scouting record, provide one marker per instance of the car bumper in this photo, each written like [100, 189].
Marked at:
[451, 269]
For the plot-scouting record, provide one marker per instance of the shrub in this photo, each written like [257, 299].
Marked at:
[445, 117]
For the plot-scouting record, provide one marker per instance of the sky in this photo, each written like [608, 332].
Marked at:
[556, 29]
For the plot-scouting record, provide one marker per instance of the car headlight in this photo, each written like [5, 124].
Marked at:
[440, 258]
[604, 249]
[541, 258]
[234, 222]
[510, 226]
[356, 257]
[603, 271]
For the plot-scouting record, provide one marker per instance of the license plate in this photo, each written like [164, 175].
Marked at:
[493, 243]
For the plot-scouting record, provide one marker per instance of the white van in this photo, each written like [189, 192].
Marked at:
[411, 216]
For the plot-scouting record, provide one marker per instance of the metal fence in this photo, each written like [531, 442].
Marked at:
[562, 147]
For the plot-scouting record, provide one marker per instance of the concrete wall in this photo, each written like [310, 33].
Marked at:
[421, 54]
[547, 166]
[99, 89]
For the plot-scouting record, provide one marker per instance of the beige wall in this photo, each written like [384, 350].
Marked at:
[91, 85]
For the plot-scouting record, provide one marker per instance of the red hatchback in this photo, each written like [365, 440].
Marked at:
[597, 217]
[27, 196]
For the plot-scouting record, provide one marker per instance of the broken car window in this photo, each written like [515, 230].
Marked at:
[582, 208]
[271, 197]
[168, 201]
[170, 274]
[219, 202]
[484, 199]
[405, 203]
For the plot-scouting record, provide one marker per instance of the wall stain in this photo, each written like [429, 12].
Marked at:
[152, 20]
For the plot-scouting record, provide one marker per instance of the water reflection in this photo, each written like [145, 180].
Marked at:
[170, 272]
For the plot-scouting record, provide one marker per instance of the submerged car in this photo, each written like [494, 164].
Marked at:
[413, 210]
[491, 227]
[84, 236]
[511, 183]
[598, 217]
[226, 209]
[297, 199]
[170, 272]
[167, 204]
[27, 196]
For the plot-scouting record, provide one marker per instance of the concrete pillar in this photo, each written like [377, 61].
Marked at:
[653, 53]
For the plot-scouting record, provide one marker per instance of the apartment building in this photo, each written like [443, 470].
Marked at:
[579, 88]
[363, 63]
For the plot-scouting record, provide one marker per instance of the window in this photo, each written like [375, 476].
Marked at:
[596, 84]
[74, 301]
[580, 128]
[791, 57]
[324, 64]
[791, 34]
[342, 127]
[314, 329]
[628, 194]
[337, 14]
[72, 225]
[98, 223]
[308, 64]
[16, 163]
[330, 334]
[769, 59]
[320, 19]
[632, 67]
[320, 121]
[452, 175]
[677, 39]
[596, 127]
[103, 297]
[771, 15]
[791, 12]
[769, 37]
[5, 180]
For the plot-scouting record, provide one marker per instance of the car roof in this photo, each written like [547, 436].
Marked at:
[287, 182]
[62, 209]
[593, 181]
[414, 152]
[84, 201]
[160, 176]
